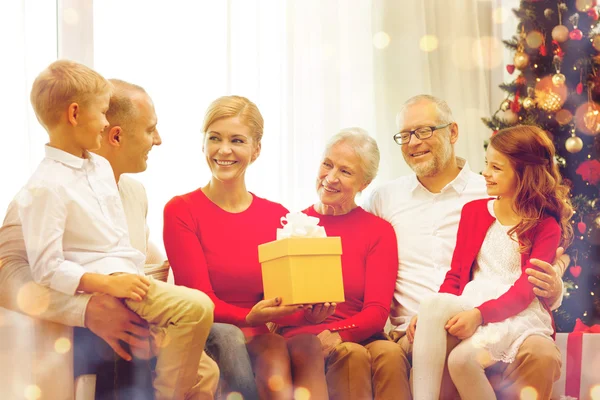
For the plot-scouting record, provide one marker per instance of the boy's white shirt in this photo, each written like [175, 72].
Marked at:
[73, 221]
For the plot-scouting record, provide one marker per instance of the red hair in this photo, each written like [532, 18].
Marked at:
[540, 191]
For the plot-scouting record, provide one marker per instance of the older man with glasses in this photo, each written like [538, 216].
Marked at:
[424, 209]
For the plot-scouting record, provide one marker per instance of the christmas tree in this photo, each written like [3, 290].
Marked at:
[557, 87]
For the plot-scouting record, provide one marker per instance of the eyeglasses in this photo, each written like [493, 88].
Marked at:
[421, 133]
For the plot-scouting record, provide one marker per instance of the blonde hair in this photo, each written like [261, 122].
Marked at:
[64, 82]
[235, 106]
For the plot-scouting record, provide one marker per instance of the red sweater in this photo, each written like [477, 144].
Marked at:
[369, 268]
[475, 221]
[216, 251]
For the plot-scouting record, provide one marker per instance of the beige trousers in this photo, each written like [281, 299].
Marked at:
[180, 319]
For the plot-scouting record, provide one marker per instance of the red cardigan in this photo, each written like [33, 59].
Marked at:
[474, 223]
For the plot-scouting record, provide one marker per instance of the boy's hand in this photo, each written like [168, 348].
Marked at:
[464, 324]
[128, 286]
[317, 313]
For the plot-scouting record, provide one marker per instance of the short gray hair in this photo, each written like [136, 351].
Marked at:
[443, 110]
[364, 146]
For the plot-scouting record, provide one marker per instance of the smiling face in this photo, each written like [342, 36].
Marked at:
[500, 176]
[340, 177]
[229, 148]
[429, 156]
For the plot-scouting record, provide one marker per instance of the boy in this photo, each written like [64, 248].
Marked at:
[75, 229]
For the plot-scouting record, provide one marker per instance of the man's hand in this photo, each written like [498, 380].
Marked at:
[269, 310]
[464, 324]
[128, 286]
[548, 284]
[329, 341]
[412, 328]
[109, 319]
[317, 313]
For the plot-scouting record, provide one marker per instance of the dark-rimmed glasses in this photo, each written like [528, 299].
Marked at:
[422, 133]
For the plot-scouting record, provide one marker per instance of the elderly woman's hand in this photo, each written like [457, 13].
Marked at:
[317, 313]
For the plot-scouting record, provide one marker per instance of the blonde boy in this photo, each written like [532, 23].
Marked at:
[75, 229]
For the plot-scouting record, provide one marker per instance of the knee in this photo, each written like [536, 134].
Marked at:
[458, 360]
[540, 354]
[383, 353]
[350, 352]
[271, 349]
[226, 336]
[435, 306]
[305, 349]
[200, 306]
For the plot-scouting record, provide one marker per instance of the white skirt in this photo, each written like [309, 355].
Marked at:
[503, 339]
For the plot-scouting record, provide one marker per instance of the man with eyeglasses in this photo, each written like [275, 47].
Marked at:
[424, 209]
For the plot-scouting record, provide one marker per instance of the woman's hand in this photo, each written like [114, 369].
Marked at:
[464, 324]
[317, 313]
[269, 310]
[412, 327]
[548, 282]
[329, 342]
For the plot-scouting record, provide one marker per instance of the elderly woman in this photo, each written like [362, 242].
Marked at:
[211, 236]
[369, 265]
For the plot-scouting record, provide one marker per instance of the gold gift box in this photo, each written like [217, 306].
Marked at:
[303, 270]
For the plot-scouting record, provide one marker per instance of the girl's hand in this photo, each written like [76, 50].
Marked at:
[464, 324]
[317, 313]
[412, 328]
[128, 286]
[269, 310]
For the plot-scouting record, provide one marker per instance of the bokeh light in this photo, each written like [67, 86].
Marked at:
[528, 393]
[381, 40]
[275, 383]
[33, 299]
[234, 396]
[301, 394]
[32, 392]
[62, 345]
[429, 43]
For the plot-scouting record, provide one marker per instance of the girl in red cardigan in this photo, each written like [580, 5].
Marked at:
[486, 300]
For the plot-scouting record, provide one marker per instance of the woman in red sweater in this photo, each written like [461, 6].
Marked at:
[211, 237]
[486, 299]
[369, 266]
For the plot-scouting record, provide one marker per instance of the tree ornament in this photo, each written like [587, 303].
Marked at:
[505, 105]
[583, 5]
[579, 88]
[560, 33]
[528, 103]
[575, 34]
[521, 60]
[596, 42]
[591, 118]
[575, 271]
[574, 144]
[510, 68]
[558, 79]
[563, 117]
[534, 39]
[589, 171]
[581, 227]
[593, 14]
[548, 13]
[510, 117]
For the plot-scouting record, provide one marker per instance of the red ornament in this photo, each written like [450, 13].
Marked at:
[543, 51]
[515, 106]
[576, 34]
[579, 88]
[593, 14]
[558, 50]
[510, 68]
[575, 271]
[581, 227]
[589, 171]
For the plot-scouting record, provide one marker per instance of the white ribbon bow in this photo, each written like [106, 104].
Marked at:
[300, 225]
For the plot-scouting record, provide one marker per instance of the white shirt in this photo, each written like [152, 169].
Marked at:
[73, 221]
[426, 225]
[66, 309]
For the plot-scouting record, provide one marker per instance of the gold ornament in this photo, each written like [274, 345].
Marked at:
[574, 144]
[548, 101]
[528, 103]
[548, 13]
[558, 79]
[591, 119]
[560, 33]
[534, 39]
[510, 117]
[583, 5]
[505, 105]
[596, 42]
[563, 117]
[521, 60]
